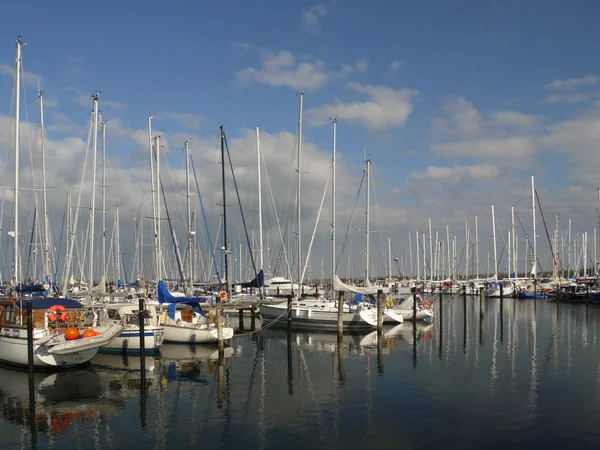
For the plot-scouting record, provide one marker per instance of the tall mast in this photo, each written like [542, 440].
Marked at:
[368, 214]
[556, 269]
[103, 123]
[17, 149]
[225, 251]
[476, 247]
[93, 199]
[333, 253]
[189, 215]
[534, 267]
[418, 255]
[412, 272]
[514, 242]
[260, 223]
[448, 245]
[153, 188]
[157, 202]
[390, 258]
[466, 250]
[495, 251]
[299, 196]
[431, 262]
[47, 269]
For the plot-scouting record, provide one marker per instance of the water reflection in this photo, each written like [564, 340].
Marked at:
[484, 364]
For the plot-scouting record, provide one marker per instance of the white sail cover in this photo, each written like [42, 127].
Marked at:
[338, 285]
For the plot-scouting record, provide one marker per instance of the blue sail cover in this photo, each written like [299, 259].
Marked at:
[47, 302]
[258, 282]
[164, 296]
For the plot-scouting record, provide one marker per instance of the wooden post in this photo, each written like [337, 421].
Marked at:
[440, 349]
[340, 324]
[465, 321]
[241, 319]
[414, 317]
[219, 318]
[501, 291]
[289, 310]
[30, 361]
[587, 293]
[253, 318]
[380, 298]
[142, 325]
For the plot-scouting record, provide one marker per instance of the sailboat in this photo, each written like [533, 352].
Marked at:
[318, 313]
[56, 322]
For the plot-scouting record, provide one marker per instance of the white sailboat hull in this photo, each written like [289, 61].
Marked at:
[315, 318]
[194, 335]
[129, 340]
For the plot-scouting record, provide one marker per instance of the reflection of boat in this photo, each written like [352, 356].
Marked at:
[192, 352]
[121, 375]
[61, 398]
[320, 341]
[402, 331]
[192, 362]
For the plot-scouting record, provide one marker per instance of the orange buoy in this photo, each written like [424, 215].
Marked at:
[88, 333]
[98, 333]
[55, 315]
[223, 295]
[71, 334]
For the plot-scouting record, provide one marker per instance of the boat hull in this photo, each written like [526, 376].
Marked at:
[13, 351]
[308, 318]
[129, 340]
[193, 335]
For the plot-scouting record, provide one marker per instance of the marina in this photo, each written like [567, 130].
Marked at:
[491, 374]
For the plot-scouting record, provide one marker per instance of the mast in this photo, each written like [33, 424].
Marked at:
[225, 251]
[260, 223]
[466, 250]
[495, 251]
[189, 215]
[103, 124]
[299, 197]
[17, 149]
[157, 217]
[93, 199]
[556, 269]
[390, 258]
[431, 262]
[477, 247]
[448, 256]
[418, 257]
[534, 267]
[514, 242]
[153, 188]
[412, 272]
[333, 253]
[47, 268]
[368, 224]
[569, 252]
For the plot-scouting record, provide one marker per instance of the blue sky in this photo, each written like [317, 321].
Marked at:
[457, 102]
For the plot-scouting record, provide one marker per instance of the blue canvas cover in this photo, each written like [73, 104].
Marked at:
[165, 297]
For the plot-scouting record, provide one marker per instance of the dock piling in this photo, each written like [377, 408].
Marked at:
[380, 297]
[142, 325]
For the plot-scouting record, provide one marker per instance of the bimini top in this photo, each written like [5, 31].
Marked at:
[47, 302]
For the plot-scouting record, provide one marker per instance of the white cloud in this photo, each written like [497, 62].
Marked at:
[571, 97]
[510, 147]
[29, 78]
[281, 69]
[385, 108]
[461, 118]
[397, 64]
[189, 120]
[311, 17]
[362, 65]
[574, 83]
[510, 118]
[455, 174]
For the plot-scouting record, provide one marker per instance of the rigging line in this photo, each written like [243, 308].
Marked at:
[316, 225]
[210, 243]
[237, 193]
[62, 228]
[339, 256]
[545, 227]
[281, 236]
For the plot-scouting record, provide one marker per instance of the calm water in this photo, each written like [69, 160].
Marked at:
[526, 378]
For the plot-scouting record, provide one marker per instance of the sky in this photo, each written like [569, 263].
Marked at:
[456, 103]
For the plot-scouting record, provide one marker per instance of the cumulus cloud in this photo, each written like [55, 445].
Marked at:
[397, 64]
[385, 108]
[282, 69]
[29, 78]
[189, 120]
[455, 174]
[310, 17]
[574, 83]
[510, 147]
